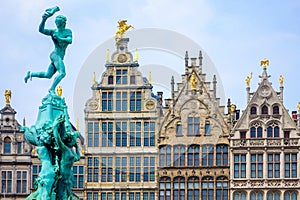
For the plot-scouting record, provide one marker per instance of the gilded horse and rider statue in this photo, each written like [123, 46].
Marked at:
[122, 28]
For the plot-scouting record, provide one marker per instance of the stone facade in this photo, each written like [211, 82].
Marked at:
[15, 163]
[121, 125]
[193, 142]
[265, 148]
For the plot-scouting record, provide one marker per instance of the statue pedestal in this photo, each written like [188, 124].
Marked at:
[52, 107]
[57, 150]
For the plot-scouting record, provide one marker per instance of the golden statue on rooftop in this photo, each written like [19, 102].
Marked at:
[298, 107]
[232, 109]
[122, 28]
[281, 79]
[193, 81]
[7, 96]
[248, 79]
[264, 63]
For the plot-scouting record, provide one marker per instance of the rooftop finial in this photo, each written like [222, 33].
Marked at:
[200, 58]
[122, 28]
[107, 55]
[136, 55]
[215, 86]
[172, 87]
[186, 58]
[150, 77]
[7, 96]
[94, 78]
[264, 63]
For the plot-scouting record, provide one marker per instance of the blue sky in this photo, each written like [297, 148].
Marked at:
[236, 35]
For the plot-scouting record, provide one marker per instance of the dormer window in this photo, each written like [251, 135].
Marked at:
[275, 110]
[110, 80]
[264, 110]
[253, 110]
[7, 145]
[121, 76]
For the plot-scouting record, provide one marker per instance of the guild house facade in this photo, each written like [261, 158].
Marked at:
[139, 146]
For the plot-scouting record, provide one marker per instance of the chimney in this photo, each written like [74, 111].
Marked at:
[237, 115]
[294, 116]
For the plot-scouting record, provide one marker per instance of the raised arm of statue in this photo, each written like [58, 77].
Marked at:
[48, 13]
[42, 26]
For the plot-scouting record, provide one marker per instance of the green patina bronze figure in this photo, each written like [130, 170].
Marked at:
[56, 143]
[61, 37]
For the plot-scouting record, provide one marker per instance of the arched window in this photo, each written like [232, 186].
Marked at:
[275, 110]
[239, 195]
[264, 110]
[164, 188]
[253, 110]
[179, 155]
[207, 155]
[253, 132]
[110, 80]
[178, 188]
[276, 131]
[207, 188]
[193, 188]
[222, 188]
[222, 155]
[7, 145]
[273, 131]
[256, 132]
[290, 195]
[193, 155]
[256, 195]
[164, 156]
[178, 129]
[273, 195]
